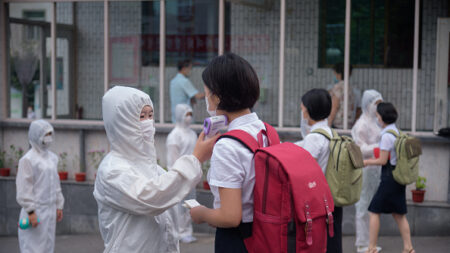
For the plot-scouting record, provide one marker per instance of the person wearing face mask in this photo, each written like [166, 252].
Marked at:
[232, 89]
[181, 141]
[182, 91]
[135, 196]
[390, 197]
[39, 191]
[366, 133]
[336, 118]
[315, 108]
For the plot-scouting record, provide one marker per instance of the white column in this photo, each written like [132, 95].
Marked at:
[106, 45]
[162, 58]
[347, 60]
[221, 27]
[53, 60]
[415, 66]
[281, 77]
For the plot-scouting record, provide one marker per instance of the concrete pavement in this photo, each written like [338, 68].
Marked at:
[92, 243]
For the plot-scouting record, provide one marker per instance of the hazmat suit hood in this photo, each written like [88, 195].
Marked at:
[38, 130]
[122, 107]
[368, 106]
[135, 196]
[181, 119]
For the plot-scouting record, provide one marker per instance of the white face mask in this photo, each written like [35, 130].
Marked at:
[372, 109]
[211, 113]
[148, 130]
[47, 140]
[379, 123]
[188, 120]
[304, 127]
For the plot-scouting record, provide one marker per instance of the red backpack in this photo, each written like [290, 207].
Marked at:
[293, 204]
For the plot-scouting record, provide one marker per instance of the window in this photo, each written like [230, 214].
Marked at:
[191, 31]
[382, 33]
[38, 15]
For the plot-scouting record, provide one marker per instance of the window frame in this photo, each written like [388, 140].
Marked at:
[5, 97]
[322, 64]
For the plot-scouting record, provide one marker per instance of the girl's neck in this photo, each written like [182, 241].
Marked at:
[234, 115]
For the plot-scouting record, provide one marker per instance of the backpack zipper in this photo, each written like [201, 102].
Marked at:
[332, 150]
[339, 154]
[266, 186]
[356, 180]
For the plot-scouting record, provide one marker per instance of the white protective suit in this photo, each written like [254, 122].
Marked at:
[39, 190]
[366, 133]
[181, 141]
[134, 194]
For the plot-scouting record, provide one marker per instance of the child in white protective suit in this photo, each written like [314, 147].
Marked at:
[135, 196]
[39, 191]
[366, 133]
[181, 141]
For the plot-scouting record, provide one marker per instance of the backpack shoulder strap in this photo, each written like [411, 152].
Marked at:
[272, 134]
[324, 133]
[394, 133]
[242, 137]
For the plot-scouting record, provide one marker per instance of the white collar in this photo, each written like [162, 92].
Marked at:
[242, 120]
[320, 124]
[389, 127]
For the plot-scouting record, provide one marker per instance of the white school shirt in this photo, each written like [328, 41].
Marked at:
[233, 166]
[317, 144]
[387, 142]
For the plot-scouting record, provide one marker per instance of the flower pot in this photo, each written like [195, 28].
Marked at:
[63, 175]
[4, 172]
[418, 195]
[80, 177]
[206, 185]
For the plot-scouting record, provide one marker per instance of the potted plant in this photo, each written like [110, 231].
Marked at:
[62, 166]
[17, 153]
[419, 193]
[80, 176]
[4, 172]
[96, 157]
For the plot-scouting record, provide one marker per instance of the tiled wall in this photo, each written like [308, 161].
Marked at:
[301, 65]
[90, 63]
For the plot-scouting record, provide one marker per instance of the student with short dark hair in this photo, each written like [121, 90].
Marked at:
[182, 91]
[232, 89]
[315, 109]
[390, 196]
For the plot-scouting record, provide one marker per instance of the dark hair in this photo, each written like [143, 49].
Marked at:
[387, 112]
[339, 69]
[184, 64]
[232, 79]
[318, 103]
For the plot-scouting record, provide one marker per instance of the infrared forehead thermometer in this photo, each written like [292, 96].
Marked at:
[212, 125]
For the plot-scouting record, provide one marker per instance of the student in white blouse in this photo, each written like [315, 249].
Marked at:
[231, 88]
[316, 107]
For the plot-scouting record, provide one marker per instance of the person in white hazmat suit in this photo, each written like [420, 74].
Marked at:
[366, 133]
[135, 196]
[39, 191]
[181, 141]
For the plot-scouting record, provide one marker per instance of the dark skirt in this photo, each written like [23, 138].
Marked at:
[390, 196]
[232, 239]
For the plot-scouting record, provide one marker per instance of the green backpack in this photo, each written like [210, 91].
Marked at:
[344, 168]
[408, 150]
